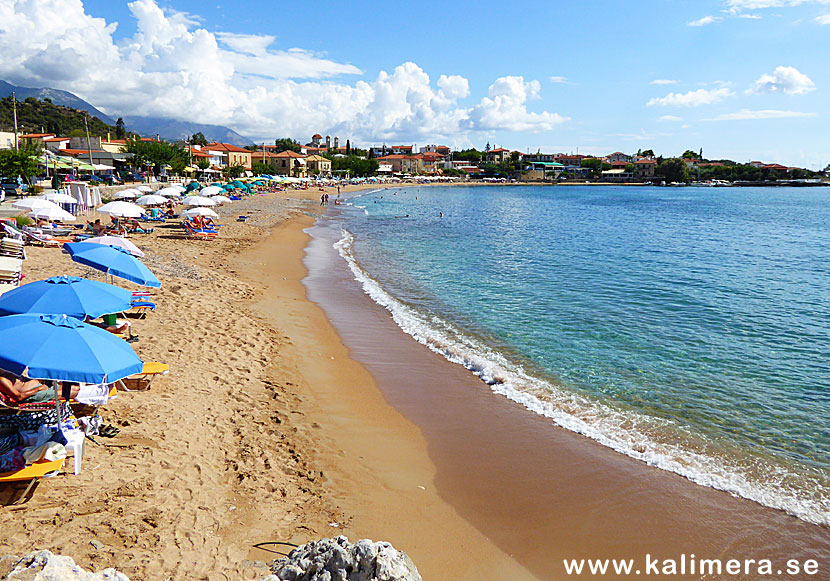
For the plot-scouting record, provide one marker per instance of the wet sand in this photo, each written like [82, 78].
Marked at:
[541, 493]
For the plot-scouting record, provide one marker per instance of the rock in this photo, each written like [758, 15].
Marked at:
[97, 544]
[339, 560]
[46, 566]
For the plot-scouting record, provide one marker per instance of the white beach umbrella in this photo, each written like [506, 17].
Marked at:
[59, 198]
[220, 199]
[57, 214]
[126, 194]
[169, 192]
[198, 201]
[117, 241]
[200, 211]
[211, 191]
[179, 187]
[151, 200]
[145, 189]
[34, 204]
[122, 209]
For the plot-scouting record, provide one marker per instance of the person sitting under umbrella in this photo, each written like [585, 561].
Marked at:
[19, 390]
[116, 327]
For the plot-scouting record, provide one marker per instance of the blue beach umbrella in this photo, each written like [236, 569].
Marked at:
[76, 297]
[114, 261]
[61, 348]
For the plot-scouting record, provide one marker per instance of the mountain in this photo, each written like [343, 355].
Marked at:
[173, 130]
[167, 128]
[34, 116]
[58, 97]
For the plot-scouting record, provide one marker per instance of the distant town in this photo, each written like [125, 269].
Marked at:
[70, 142]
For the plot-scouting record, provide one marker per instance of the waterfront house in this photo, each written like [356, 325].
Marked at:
[318, 165]
[645, 167]
[231, 155]
[498, 156]
[290, 163]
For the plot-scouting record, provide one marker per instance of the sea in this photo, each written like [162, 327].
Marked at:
[685, 327]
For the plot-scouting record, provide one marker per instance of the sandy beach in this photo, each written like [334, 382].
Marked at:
[283, 422]
[249, 445]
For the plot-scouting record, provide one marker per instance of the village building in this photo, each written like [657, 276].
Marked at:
[318, 165]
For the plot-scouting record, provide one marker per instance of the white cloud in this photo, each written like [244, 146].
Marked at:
[737, 5]
[664, 82]
[749, 16]
[824, 19]
[560, 80]
[673, 118]
[692, 98]
[172, 67]
[787, 80]
[747, 114]
[505, 108]
[705, 20]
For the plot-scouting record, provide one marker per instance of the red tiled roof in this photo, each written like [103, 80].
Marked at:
[497, 150]
[317, 136]
[35, 135]
[646, 162]
[53, 139]
[289, 153]
[225, 147]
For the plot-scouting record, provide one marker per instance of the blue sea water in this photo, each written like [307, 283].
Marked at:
[685, 327]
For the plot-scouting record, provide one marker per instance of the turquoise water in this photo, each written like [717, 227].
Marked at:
[685, 327]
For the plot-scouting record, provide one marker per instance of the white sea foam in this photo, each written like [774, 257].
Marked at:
[624, 431]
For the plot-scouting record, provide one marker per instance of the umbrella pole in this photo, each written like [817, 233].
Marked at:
[58, 403]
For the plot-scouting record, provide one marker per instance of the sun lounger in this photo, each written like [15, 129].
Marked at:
[38, 238]
[10, 272]
[141, 308]
[12, 247]
[202, 234]
[31, 473]
[141, 381]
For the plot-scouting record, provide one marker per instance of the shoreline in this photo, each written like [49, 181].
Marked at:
[643, 516]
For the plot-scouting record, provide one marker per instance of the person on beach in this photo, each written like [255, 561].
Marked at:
[322, 199]
[20, 390]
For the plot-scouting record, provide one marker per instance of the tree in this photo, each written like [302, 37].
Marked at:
[348, 148]
[198, 139]
[673, 170]
[689, 154]
[120, 132]
[630, 168]
[647, 153]
[157, 154]
[596, 164]
[472, 155]
[202, 163]
[233, 171]
[287, 144]
[259, 168]
[371, 153]
[487, 147]
[23, 163]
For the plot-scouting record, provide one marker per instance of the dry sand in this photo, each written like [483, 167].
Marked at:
[263, 433]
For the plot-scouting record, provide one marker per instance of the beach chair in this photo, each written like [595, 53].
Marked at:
[32, 474]
[12, 247]
[142, 381]
[38, 238]
[141, 308]
[10, 272]
[202, 234]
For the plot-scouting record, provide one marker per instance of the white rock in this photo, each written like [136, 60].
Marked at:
[339, 560]
[46, 566]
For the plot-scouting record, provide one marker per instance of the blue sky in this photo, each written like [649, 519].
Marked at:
[744, 79]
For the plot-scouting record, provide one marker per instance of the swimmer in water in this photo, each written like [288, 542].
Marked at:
[440, 214]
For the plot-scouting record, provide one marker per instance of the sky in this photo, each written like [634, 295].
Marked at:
[742, 79]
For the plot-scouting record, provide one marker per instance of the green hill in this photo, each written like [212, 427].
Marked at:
[34, 116]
